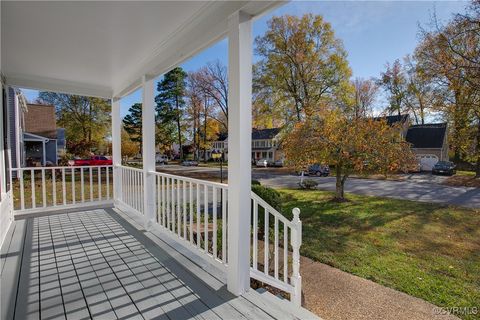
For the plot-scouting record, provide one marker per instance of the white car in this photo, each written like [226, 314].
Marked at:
[262, 163]
[161, 158]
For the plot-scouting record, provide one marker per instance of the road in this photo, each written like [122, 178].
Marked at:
[413, 189]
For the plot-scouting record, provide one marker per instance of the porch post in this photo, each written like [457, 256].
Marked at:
[239, 141]
[116, 149]
[148, 150]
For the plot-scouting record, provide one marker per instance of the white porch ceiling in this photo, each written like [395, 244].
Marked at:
[104, 48]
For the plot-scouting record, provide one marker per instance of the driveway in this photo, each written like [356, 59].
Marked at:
[419, 187]
[407, 190]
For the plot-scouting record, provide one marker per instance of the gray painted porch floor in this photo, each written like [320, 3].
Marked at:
[95, 264]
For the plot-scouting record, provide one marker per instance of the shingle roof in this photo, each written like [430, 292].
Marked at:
[40, 120]
[391, 120]
[260, 134]
[427, 135]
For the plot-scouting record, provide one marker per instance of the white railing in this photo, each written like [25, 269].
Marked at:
[275, 248]
[131, 188]
[41, 188]
[195, 211]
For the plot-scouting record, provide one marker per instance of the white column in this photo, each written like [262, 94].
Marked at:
[116, 148]
[148, 150]
[239, 148]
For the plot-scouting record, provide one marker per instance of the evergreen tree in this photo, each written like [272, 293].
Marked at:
[170, 102]
[133, 123]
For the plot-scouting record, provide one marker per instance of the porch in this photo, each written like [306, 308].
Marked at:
[101, 263]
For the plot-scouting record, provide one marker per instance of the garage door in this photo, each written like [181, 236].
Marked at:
[427, 162]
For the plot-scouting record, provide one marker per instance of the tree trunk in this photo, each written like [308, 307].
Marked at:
[179, 129]
[339, 190]
[477, 166]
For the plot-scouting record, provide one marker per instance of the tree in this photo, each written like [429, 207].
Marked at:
[365, 94]
[351, 145]
[132, 123]
[129, 147]
[450, 56]
[394, 84]
[170, 101]
[86, 119]
[301, 63]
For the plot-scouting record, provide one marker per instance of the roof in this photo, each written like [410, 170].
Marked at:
[392, 120]
[40, 120]
[222, 136]
[427, 135]
[261, 134]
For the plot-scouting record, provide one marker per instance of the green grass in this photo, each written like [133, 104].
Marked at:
[466, 173]
[425, 250]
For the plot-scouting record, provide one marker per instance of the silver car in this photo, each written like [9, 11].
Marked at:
[262, 163]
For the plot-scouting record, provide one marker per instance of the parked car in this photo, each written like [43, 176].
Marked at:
[189, 163]
[161, 158]
[444, 167]
[318, 170]
[92, 161]
[262, 163]
[278, 163]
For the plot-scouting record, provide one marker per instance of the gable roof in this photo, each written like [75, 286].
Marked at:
[261, 134]
[427, 135]
[392, 120]
[40, 120]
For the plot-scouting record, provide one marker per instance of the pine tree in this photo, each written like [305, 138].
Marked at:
[133, 123]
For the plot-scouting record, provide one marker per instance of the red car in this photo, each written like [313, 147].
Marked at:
[93, 161]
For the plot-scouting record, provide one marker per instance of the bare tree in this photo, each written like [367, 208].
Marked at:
[365, 94]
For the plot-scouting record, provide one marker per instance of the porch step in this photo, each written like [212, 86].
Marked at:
[286, 306]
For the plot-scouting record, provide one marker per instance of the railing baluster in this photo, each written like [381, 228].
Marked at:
[190, 206]
[107, 169]
[54, 188]
[275, 247]
[163, 202]
[266, 239]
[159, 200]
[285, 253]
[32, 181]
[22, 190]
[73, 185]
[179, 221]
[64, 188]
[255, 235]
[214, 220]
[99, 169]
[173, 211]
[91, 183]
[198, 216]
[167, 208]
[82, 184]
[224, 225]
[205, 212]
[184, 209]
[44, 189]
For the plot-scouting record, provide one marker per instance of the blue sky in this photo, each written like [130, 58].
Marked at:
[373, 32]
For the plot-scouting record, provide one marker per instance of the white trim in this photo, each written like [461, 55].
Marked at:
[35, 136]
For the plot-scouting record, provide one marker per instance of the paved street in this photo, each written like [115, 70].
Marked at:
[424, 188]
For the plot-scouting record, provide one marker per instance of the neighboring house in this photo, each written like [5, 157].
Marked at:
[265, 145]
[403, 121]
[429, 143]
[33, 134]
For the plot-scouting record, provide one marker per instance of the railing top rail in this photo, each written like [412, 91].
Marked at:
[59, 167]
[130, 168]
[272, 210]
[210, 183]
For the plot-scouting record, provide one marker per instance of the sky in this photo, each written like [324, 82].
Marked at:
[373, 33]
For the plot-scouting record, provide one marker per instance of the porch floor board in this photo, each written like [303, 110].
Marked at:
[96, 264]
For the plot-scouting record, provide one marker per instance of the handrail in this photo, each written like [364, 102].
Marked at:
[210, 183]
[129, 168]
[272, 210]
[61, 167]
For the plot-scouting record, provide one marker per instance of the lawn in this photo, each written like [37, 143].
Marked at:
[426, 250]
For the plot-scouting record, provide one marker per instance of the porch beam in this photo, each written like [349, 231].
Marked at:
[116, 148]
[148, 149]
[239, 141]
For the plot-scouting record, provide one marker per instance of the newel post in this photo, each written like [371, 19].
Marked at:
[239, 148]
[116, 150]
[296, 242]
[148, 150]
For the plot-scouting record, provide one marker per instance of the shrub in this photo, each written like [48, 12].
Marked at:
[269, 195]
[255, 183]
[308, 184]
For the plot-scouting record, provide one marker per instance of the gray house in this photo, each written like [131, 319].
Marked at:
[34, 137]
